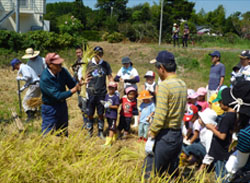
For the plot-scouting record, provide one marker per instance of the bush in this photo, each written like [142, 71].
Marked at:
[71, 25]
[105, 36]
[11, 40]
[231, 37]
[92, 35]
[115, 37]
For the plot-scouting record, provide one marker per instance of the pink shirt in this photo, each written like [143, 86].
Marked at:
[203, 104]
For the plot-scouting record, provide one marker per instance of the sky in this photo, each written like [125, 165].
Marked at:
[230, 6]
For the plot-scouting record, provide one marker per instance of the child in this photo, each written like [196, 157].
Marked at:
[128, 109]
[146, 112]
[222, 133]
[234, 74]
[150, 84]
[201, 100]
[191, 97]
[111, 105]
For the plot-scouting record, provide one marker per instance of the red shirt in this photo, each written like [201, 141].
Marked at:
[127, 107]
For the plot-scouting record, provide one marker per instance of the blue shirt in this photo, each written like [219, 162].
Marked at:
[146, 110]
[216, 72]
[115, 100]
[54, 87]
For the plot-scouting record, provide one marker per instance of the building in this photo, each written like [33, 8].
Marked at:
[30, 15]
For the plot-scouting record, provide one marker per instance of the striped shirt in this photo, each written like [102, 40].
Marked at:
[170, 107]
[244, 144]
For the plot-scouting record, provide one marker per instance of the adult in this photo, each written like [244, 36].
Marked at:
[175, 34]
[53, 82]
[128, 74]
[166, 125]
[36, 62]
[96, 89]
[27, 74]
[244, 71]
[185, 36]
[77, 65]
[217, 74]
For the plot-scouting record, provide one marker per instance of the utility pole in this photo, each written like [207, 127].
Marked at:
[17, 16]
[162, 3]
[111, 11]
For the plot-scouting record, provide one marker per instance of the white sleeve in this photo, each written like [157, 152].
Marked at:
[196, 126]
[134, 73]
[79, 73]
[119, 72]
[44, 63]
[236, 161]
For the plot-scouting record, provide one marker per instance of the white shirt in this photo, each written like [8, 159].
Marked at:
[206, 138]
[128, 75]
[245, 71]
[27, 74]
[38, 65]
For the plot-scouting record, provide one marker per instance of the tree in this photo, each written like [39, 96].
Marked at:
[119, 8]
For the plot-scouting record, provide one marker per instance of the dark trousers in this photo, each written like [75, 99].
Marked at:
[167, 149]
[55, 117]
[185, 41]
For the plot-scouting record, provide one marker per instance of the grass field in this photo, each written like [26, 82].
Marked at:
[29, 157]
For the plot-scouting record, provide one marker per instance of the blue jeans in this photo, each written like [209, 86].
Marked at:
[220, 169]
[143, 130]
[196, 149]
[55, 117]
[167, 149]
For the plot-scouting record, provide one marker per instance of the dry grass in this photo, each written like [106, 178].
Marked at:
[29, 157]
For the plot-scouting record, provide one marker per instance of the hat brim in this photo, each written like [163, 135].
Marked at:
[216, 100]
[141, 98]
[153, 61]
[29, 56]
[187, 118]
[243, 57]
[58, 61]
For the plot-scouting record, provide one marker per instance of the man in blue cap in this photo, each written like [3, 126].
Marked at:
[166, 126]
[27, 74]
[217, 74]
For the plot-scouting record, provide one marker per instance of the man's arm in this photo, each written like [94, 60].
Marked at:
[221, 81]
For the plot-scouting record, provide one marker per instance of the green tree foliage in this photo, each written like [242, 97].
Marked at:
[70, 24]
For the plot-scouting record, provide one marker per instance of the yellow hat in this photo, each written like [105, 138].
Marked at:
[145, 95]
[30, 53]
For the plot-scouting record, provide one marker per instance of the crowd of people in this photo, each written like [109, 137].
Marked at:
[180, 126]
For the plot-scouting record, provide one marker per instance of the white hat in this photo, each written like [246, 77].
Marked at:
[150, 74]
[208, 116]
[30, 53]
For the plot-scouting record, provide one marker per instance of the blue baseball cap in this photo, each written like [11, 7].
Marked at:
[14, 62]
[215, 54]
[126, 60]
[164, 57]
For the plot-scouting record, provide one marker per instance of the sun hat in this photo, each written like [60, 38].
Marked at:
[201, 91]
[191, 94]
[191, 110]
[30, 53]
[164, 57]
[240, 97]
[149, 74]
[112, 84]
[126, 60]
[208, 116]
[53, 58]
[144, 95]
[245, 54]
[14, 62]
[129, 89]
[218, 98]
[215, 54]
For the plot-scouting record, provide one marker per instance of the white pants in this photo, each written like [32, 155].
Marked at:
[33, 91]
[210, 93]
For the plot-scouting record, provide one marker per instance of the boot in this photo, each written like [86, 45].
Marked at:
[89, 127]
[100, 134]
[136, 122]
[108, 141]
[114, 138]
[30, 116]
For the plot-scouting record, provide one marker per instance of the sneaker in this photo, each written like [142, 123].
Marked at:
[145, 140]
[140, 139]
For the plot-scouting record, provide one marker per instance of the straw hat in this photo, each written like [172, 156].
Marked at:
[30, 53]
[145, 95]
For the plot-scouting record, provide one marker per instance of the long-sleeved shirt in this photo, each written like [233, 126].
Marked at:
[53, 87]
[38, 65]
[27, 74]
[170, 106]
